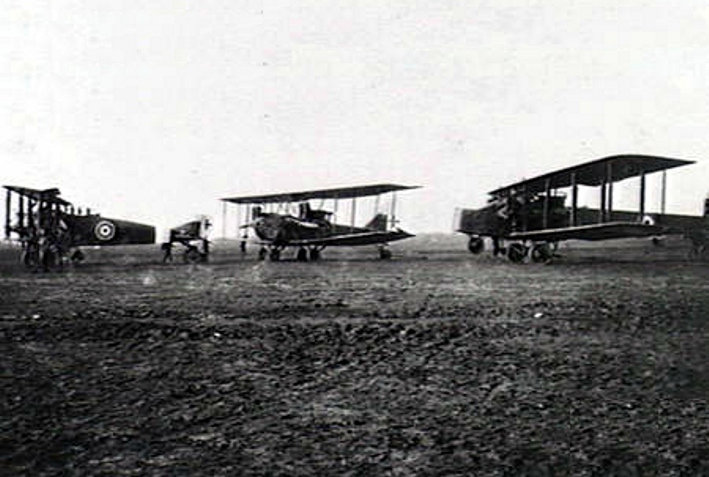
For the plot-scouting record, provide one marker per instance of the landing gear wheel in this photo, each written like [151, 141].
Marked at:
[516, 252]
[275, 255]
[476, 244]
[77, 256]
[314, 254]
[541, 253]
[302, 255]
[384, 253]
[192, 255]
[262, 253]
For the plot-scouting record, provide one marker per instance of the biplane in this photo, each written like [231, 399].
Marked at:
[529, 218]
[288, 220]
[50, 228]
[193, 236]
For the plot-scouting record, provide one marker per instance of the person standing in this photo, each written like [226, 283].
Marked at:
[167, 252]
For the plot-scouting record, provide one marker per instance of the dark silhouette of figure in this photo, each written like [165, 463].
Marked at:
[205, 250]
[167, 252]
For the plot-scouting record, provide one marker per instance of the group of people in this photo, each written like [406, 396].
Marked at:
[45, 239]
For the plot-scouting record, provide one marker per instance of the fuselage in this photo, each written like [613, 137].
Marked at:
[282, 229]
[97, 230]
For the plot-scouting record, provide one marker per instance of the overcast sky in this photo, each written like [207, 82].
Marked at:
[152, 110]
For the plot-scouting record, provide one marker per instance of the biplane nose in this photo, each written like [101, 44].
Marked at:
[268, 227]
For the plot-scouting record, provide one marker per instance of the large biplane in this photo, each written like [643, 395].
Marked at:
[50, 228]
[529, 218]
[288, 220]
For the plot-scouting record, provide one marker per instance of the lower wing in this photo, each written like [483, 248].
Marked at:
[606, 231]
[354, 239]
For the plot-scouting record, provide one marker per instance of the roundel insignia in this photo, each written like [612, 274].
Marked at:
[104, 230]
[648, 220]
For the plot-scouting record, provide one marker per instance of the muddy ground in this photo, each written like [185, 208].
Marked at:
[435, 363]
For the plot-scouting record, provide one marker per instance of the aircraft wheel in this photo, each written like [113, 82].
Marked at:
[262, 253]
[314, 254]
[384, 253]
[476, 244]
[302, 255]
[78, 256]
[516, 252]
[275, 255]
[541, 253]
[192, 255]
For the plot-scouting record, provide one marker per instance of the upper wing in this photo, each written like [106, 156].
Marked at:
[605, 231]
[337, 193]
[594, 173]
[47, 195]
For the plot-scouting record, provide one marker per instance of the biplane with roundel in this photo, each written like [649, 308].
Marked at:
[288, 219]
[527, 219]
[50, 229]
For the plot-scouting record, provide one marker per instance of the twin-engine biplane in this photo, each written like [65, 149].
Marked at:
[193, 236]
[530, 217]
[49, 228]
[288, 220]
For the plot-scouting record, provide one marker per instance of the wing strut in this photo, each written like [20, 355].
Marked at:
[8, 200]
[663, 197]
[353, 212]
[602, 208]
[21, 214]
[393, 211]
[525, 208]
[642, 194]
[609, 175]
[574, 199]
[547, 198]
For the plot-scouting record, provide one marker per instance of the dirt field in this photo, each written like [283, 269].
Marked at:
[435, 363]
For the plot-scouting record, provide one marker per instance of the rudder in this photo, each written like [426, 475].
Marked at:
[378, 222]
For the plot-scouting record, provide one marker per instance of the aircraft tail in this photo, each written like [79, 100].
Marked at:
[378, 222]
